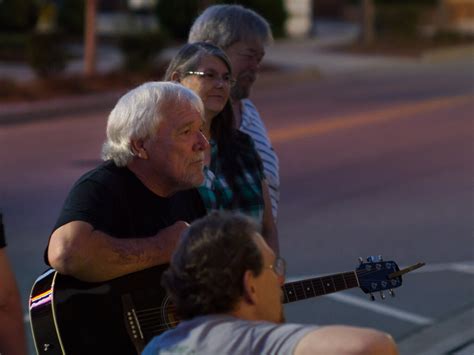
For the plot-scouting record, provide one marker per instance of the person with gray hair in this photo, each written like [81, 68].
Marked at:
[126, 215]
[243, 35]
[226, 285]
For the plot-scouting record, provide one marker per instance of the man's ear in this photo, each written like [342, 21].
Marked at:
[250, 290]
[138, 148]
[176, 77]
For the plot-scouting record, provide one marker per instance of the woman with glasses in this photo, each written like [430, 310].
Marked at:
[234, 174]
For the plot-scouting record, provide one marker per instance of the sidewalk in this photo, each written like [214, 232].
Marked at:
[453, 336]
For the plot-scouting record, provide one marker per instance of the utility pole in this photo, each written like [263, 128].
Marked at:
[367, 33]
[90, 37]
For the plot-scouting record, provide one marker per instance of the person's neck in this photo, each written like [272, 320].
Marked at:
[151, 183]
[244, 311]
[237, 109]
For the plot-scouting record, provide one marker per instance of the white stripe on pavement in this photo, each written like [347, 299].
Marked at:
[381, 309]
[466, 267]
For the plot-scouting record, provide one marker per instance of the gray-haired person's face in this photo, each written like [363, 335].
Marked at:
[245, 57]
[176, 151]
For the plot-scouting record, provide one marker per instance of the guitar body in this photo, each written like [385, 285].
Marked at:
[69, 316]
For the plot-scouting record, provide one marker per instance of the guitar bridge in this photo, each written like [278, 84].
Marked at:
[132, 323]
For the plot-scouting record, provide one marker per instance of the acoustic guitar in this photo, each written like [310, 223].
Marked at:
[120, 316]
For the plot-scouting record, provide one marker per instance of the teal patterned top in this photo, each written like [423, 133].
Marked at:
[247, 196]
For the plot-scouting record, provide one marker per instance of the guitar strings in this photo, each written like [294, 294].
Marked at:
[148, 317]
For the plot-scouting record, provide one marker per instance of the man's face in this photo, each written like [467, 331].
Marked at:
[245, 57]
[176, 151]
[269, 292]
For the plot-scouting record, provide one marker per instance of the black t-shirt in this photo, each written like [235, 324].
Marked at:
[113, 200]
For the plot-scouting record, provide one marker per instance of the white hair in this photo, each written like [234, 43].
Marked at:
[138, 113]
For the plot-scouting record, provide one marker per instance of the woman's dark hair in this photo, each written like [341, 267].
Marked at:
[206, 272]
[229, 142]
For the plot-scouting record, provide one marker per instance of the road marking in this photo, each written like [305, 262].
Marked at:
[382, 309]
[334, 123]
[465, 267]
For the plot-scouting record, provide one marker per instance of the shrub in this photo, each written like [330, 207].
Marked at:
[71, 16]
[46, 53]
[13, 46]
[400, 20]
[273, 11]
[177, 16]
[18, 15]
[140, 49]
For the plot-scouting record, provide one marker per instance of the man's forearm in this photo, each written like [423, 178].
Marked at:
[94, 256]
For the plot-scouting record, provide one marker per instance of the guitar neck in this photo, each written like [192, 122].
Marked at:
[303, 289]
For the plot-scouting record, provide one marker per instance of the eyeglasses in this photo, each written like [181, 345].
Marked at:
[213, 77]
[279, 267]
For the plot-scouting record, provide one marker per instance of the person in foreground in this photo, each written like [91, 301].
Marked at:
[234, 176]
[12, 331]
[243, 35]
[225, 282]
[126, 215]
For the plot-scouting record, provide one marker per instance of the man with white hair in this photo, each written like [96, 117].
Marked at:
[126, 215]
[243, 35]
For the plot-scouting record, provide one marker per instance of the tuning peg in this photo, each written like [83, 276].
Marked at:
[372, 297]
[392, 293]
[374, 259]
[361, 261]
[382, 295]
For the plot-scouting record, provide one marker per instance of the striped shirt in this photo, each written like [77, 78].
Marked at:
[252, 125]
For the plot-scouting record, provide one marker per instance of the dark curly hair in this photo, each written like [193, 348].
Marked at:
[206, 272]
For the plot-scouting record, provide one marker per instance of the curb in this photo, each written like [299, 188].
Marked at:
[25, 112]
[454, 335]
[450, 53]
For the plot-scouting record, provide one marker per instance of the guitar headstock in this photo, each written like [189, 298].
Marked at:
[376, 275]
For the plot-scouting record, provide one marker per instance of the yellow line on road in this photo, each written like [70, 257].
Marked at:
[334, 123]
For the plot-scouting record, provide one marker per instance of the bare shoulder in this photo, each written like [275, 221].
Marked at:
[344, 340]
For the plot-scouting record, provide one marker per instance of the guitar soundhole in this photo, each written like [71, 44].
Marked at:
[169, 316]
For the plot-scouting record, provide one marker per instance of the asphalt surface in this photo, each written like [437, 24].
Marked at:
[298, 59]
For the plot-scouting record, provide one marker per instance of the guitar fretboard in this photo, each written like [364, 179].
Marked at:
[300, 290]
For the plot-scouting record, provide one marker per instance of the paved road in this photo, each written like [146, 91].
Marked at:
[373, 162]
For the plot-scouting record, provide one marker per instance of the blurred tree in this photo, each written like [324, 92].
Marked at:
[90, 37]
[367, 33]
[18, 15]
[273, 11]
[140, 49]
[401, 19]
[46, 53]
[71, 16]
[177, 16]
